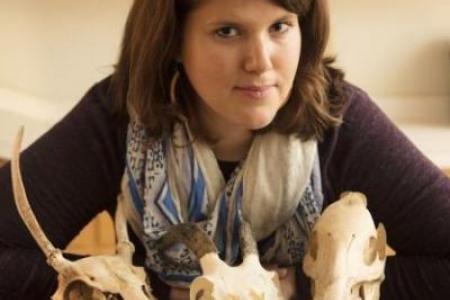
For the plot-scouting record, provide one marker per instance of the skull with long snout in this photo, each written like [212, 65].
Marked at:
[219, 281]
[346, 254]
[95, 277]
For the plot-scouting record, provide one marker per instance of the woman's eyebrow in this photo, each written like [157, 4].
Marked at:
[236, 21]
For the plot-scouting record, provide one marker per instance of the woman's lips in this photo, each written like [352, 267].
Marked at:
[255, 92]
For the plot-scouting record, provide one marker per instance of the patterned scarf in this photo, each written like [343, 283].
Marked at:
[171, 180]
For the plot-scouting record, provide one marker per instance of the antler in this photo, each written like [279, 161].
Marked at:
[125, 248]
[248, 243]
[191, 235]
[54, 255]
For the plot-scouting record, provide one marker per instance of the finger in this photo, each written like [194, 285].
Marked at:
[282, 272]
[271, 267]
[179, 294]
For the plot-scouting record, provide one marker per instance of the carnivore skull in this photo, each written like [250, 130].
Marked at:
[95, 277]
[219, 281]
[346, 254]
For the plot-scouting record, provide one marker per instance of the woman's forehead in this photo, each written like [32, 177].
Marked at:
[240, 11]
[297, 6]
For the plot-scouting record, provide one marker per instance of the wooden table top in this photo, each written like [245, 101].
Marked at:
[433, 140]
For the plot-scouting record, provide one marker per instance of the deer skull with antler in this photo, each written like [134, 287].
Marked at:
[346, 254]
[220, 281]
[95, 277]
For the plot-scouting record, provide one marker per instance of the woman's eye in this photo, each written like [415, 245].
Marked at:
[280, 27]
[227, 32]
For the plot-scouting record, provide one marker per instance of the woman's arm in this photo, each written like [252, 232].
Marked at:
[405, 191]
[71, 173]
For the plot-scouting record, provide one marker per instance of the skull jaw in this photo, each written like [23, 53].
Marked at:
[75, 289]
[369, 290]
[343, 290]
[204, 288]
[346, 253]
[249, 281]
[102, 277]
[79, 290]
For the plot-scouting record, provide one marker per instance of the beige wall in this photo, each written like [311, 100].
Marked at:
[397, 47]
[56, 49]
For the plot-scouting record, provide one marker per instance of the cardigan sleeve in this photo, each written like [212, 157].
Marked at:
[405, 191]
[70, 174]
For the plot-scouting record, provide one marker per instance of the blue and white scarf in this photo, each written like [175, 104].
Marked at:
[174, 179]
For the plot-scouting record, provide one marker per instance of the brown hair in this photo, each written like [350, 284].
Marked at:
[147, 63]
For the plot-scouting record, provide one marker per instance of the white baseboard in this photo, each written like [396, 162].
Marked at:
[432, 140]
[416, 108]
[38, 115]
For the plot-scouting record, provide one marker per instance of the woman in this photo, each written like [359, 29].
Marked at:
[221, 107]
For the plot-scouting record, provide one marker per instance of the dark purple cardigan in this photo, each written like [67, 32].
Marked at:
[73, 172]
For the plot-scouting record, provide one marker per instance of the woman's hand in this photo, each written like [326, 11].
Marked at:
[179, 293]
[287, 280]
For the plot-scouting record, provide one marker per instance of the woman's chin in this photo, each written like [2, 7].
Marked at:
[260, 123]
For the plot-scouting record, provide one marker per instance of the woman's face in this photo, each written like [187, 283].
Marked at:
[241, 57]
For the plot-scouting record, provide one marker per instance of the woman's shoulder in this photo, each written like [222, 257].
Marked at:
[101, 91]
[360, 107]
[355, 97]
[361, 118]
[97, 109]
[101, 95]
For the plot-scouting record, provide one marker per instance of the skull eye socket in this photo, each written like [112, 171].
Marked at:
[313, 246]
[382, 241]
[313, 287]
[146, 291]
[78, 289]
[146, 287]
[370, 253]
[111, 296]
[361, 292]
[199, 295]
[357, 292]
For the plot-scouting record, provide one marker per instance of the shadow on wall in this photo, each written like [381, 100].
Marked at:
[424, 69]
[419, 83]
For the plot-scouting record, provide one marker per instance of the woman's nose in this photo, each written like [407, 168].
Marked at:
[258, 56]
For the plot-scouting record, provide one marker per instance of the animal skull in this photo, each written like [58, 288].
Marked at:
[346, 254]
[95, 277]
[219, 280]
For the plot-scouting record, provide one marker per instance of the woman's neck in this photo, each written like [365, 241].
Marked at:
[228, 141]
[232, 147]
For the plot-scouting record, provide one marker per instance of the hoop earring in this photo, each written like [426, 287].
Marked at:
[173, 96]
[173, 85]
[181, 117]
